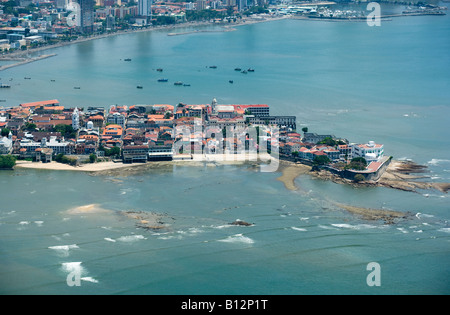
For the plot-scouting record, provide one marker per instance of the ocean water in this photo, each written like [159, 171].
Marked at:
[389, 84]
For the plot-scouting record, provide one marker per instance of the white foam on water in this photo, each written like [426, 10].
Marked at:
[403, 230]
[24, 222]
[420, 215]
[238, 238]
[131, 238]
[63, 249]
[438, 161]
[446, 230]
[39, 223]
[89, 279]
[298, 229]
[109, 239]
[304, 219]
[354, 227]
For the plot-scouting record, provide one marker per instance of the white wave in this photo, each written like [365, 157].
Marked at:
[63, 249]
[304, 219]
[238, 238]
[225, 226]
[109, 239]
[354, 227]
[75, 268]
[39, 223]
[298, 229]
[438, 161]
[89, 279]
[195, 230]
[131, 238]
[72, 266]
[24, 222]
[403, 230]
[420, 215]
[446, 230]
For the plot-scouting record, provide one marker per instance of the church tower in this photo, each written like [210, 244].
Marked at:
[75, 119]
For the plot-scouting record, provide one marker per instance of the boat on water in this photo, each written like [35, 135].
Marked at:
[237, 69]
[76, 87]
[244, 71]
[5, 86]
[159, 70]
[186, 84]
[27, 78]
[231, 81]
[127, 59]
[163, 80]
[250, 70]
[139, 86]
[178, 83]
[213, 67]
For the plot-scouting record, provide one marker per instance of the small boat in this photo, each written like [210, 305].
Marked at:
[52, 80]
[139, 86]
[186, 84]
[76, 87]
[128, 59]
[178, 83]
[159, 70]
[27, 78]
[244, 71]
[237, 69]
[231, 81]
[213, 67]
[5, 86]
[251, 70]
[163, 80]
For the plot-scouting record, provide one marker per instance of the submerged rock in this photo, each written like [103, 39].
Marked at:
[239, 222]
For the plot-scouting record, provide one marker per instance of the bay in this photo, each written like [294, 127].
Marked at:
[388, 84]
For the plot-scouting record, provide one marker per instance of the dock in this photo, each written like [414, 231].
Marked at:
[22, 61]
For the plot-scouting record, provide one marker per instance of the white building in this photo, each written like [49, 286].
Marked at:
[6, 144]
[371, 151]
[116, 119]
[75, 119]
[145, 8]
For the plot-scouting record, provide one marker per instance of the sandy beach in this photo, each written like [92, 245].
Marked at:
[90, 167]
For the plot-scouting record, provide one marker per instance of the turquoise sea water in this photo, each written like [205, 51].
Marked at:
[388, 84]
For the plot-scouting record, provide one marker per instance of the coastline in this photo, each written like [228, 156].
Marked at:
[23, 58]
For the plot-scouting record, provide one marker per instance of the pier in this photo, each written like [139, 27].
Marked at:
[22, 61]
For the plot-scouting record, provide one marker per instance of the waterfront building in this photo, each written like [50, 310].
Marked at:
[145, 9]
[315, 138]
[86, 16]
[6, 144]
[288, 122]
[257, 110]
[135, 153]
[371, 151]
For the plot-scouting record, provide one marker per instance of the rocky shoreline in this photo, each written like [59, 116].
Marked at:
[398, 175]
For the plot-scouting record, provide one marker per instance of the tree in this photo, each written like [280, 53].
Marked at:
[305, 129]
[7, 161]
[5, 132]
[359, 178]
[358, 163]
[92, 158]
[321, 160]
